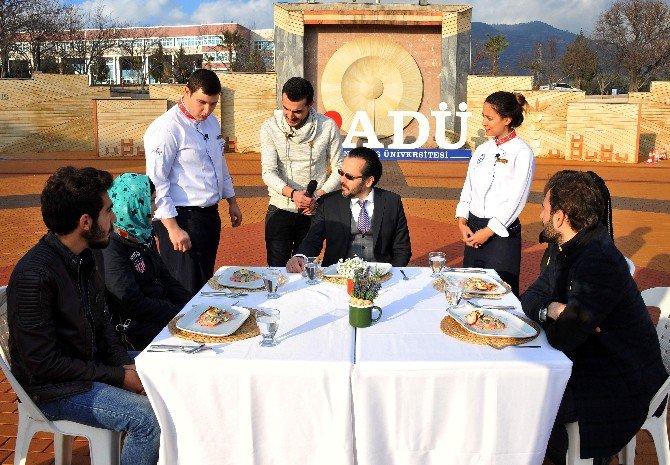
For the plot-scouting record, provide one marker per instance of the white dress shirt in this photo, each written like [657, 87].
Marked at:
[494, 189]
[369, 207]
[185, 161]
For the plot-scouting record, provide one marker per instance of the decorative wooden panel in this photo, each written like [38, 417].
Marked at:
[122, 124]
[48, 113]
[655, 121]
[480, 87]
[603, 132]
[246, 101]
[290, 21]
[545, 121]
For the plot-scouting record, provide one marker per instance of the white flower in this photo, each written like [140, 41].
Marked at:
[346, 267]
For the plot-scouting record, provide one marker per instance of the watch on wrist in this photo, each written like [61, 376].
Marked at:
[542, 315]
[291, 196]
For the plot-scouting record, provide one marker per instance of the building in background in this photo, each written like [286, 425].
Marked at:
[146, 55]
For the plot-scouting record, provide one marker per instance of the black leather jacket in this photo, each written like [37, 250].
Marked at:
[58, 345]
[143, 296]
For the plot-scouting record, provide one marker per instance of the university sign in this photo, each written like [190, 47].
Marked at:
[362, 128]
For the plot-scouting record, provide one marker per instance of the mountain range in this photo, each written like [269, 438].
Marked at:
[523, 39]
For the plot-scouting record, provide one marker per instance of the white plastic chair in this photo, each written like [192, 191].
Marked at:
[657, 427]
[631, 266]
[105, 444]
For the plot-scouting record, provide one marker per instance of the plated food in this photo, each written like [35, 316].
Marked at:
[479, 284]
[484, 321]
[245, 275]
[214, 316]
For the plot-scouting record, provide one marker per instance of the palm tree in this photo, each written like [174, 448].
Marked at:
[493, 47]
[231, 41]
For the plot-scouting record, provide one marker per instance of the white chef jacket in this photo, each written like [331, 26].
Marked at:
[497, 190]
[185, 161]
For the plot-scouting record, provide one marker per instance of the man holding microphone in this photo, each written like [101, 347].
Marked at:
[301, 151]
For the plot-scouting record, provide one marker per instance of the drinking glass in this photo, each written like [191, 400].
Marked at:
[453, 290]
[312, 272]
[436, 261]
[268, 323]
[271, 279]
[311, 260]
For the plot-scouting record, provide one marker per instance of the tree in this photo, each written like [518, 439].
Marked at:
[493, 47]
[41, 30]
[639, 33]
[184, 65]
[580, 60]
[609, 70]
[13, 19]
[136, 52]
[160, 65]
[544, 62]
[100, 71]
[232, 40]
[88, 36]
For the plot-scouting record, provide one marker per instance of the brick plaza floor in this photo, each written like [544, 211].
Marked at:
[641, 200]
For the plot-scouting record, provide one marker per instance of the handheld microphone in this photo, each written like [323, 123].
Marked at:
[309, 192]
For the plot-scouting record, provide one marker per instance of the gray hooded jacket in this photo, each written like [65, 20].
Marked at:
[295, 156]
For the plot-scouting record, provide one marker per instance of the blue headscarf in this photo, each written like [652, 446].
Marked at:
[131, 198]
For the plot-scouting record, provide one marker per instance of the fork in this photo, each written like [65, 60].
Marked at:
[177, 348]
[223, 294]
[496, 307]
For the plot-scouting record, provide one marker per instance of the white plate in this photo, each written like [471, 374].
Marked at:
[225, 278]
[382, 268]
[188, 321]
[514, 327]
[500, 289]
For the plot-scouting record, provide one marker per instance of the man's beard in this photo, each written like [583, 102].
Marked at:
[550, 234]
[96, 237]
[353, 192]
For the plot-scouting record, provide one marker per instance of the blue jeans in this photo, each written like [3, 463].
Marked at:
[110, 407]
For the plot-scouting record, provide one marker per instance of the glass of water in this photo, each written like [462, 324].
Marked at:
[311, 260]
[436, 261]
[453, 290]
[271, 278]
[312, 273]
[268, 323]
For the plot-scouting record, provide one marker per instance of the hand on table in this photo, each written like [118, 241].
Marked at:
[295, 265]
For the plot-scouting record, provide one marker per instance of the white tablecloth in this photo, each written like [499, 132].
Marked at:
[244, 404]
[417, 395]
[421, 397]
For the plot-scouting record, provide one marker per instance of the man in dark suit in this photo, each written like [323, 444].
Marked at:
[361, 220]
[592, 310]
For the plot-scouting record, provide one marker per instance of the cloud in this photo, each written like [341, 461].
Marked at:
[571, 15]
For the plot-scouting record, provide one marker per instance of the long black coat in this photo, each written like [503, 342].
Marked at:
[143, 296]
[616, 370]
[332, 222]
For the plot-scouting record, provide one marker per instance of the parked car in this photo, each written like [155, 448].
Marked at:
[560, 86]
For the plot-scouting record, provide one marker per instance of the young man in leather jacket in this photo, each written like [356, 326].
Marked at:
[63, 349]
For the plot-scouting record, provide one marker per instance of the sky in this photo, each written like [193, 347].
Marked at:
[570, 15]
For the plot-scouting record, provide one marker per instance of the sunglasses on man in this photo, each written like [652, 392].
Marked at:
[350, 177]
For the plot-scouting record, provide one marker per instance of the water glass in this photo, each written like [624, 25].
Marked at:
[436, 261]
[310, 260]
[312, 272]
[453, 290]
[268, 323]
[271, 280]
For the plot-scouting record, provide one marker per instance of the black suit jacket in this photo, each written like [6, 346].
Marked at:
[617, 369]
[332, 221]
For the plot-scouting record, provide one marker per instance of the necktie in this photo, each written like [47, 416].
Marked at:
[363, 218]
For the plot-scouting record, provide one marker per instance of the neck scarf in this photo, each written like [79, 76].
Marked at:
[131, 197]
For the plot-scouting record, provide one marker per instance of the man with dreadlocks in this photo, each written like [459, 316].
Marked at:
[592, 310]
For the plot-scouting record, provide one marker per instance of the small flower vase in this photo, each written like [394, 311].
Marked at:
[350, 286]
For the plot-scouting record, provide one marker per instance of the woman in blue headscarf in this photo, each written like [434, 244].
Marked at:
[144, 296]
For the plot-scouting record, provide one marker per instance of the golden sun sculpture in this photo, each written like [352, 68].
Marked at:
[373, 75]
